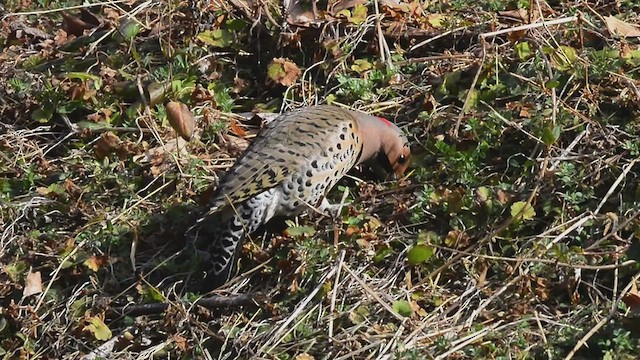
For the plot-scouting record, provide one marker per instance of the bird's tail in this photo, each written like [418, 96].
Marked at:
[222, 234]
[225, 247]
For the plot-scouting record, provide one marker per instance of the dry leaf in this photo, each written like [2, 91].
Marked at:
[98, 328]
[108, 143]
[621, 28]
[521, 15]
[33, 284]
[180, 341]
[632, 298]
[96, 262]
[181, 119]
[236, 129]
[283, 71]
[157, 91]
[345, 4]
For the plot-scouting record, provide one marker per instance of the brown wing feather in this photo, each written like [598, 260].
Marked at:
[282, 148]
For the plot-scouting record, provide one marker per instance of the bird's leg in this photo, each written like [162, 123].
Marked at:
[334, 210]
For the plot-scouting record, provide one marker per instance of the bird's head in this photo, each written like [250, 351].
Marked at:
[384, 145]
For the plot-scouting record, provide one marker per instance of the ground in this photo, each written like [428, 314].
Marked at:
[512, 235]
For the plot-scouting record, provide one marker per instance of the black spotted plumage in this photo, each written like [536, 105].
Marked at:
[289, 167]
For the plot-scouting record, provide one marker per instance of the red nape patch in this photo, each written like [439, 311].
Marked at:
[387, 122]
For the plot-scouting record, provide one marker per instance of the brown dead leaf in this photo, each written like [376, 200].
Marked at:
[181, 119]
[108, 143]
[345, 4]
[503, 196]
[236, 129]
[632, 298]
[33, 284]
[180, 341]
[96, 262]
[60, 37]
[521, 15]
[621, 28]
[157, 92]
[283, 71]
[71, 188]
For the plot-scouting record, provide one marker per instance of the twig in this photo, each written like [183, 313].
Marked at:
[604, 320]
[212, 302]
[530, 26]
[613, 187]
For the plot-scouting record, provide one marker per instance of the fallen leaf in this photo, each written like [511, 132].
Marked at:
[283, 71]
[181, 119]
[621, 28]
[632, 298]
[108, 143]
[180, 341]
[522, 210]
[98, 328]
[96, 262]
[218, 38]
[33, 284]
[345, 4]
[236, 129]
[521, 15]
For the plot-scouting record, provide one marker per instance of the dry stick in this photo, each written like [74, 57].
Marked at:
[541, 261]
[385, 54]
[484, 303]
[614, 231]
[467, 100]
[544, 337]
[409, 340]
[393, 340]
[373, 294]
[613, 187]
[296, 312]
[352, 354]
[334, 294]
[468, 340]
[447, 33]
[434, 58]
[574, 226]
[603, 321]
[208, 302]
[530, 26]
[40, 12]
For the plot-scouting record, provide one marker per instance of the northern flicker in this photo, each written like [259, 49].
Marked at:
[289, 167]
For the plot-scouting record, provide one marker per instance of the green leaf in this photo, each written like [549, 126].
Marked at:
[523, 50]
[42, 115]
[296, 230]
[361, 65]
[419, 253]
[97, 81]
[564, 57]
[522, 210]
[275, 70]
[216, 38]
[359, 14]
[130, 30]
[551, 134]
[98, 328]
[402, 307]
[552, 84]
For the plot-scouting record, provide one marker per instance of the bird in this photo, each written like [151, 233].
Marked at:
[290, 167]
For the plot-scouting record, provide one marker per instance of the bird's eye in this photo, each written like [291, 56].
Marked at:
[402, 159]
